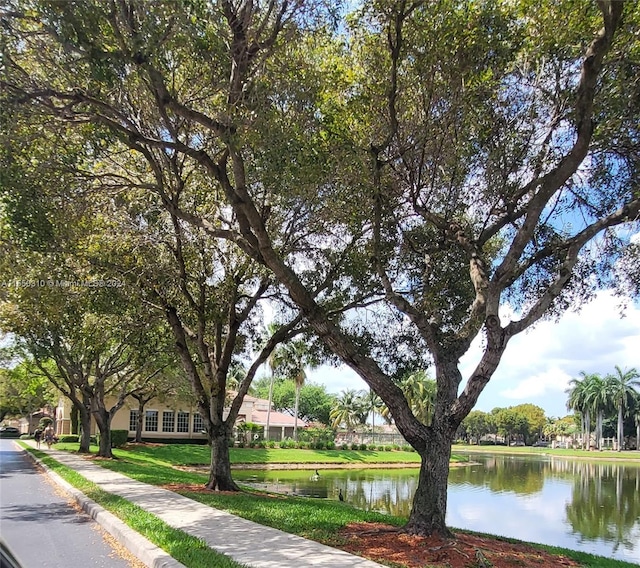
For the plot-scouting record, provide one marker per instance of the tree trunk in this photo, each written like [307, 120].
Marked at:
[620, 427]
[587, 428]
[220, 470]
[430, 501]
[295, 414]
[85, 429]
[103, 420]
[75, 420]
[139, 420]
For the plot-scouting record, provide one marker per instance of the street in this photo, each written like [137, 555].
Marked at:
[40, 524]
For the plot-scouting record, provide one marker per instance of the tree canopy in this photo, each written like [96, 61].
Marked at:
[442, 161]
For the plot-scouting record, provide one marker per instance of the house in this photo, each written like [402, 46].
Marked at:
[179, 420]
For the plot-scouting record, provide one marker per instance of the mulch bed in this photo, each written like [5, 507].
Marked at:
[387, 543]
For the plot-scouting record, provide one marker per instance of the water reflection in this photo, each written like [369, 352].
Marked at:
[605, 504]
[588, 506]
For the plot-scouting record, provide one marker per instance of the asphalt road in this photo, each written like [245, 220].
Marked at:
[40, 524]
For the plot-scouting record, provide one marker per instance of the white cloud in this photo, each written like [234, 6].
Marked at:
[546, 382]
[336, 379]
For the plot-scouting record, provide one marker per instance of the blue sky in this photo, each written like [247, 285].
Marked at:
[539, 364]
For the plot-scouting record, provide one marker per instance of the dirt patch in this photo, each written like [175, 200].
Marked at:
[384, 543]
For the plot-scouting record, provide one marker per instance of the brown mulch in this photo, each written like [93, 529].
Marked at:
[390, 545]
[384, 543]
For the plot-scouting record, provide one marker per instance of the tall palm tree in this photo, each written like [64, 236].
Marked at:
[598, 397]
[636, 419]
[290, 360]
[371, 404]
[578, 402]
[622, 385]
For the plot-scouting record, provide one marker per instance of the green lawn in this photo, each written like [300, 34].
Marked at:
[604, 455]
[317, 519]
[191, 455]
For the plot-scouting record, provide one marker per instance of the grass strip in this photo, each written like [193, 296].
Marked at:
[190, 551]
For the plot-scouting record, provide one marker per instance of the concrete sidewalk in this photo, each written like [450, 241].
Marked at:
[246, 542]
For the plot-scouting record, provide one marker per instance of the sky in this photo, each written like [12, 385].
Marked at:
[538, 364]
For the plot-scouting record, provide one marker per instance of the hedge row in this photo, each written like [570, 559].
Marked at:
[287, 444]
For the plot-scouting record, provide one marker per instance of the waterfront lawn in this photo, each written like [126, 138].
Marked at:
[627, 455]
[190, 455]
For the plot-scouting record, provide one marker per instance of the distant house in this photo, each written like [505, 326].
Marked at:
[179, 420]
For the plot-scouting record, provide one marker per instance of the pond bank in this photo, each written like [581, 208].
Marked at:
[325, 465]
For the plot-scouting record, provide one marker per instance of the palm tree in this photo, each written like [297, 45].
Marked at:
[578, 402]
[347, 409]
[420, 392]
[598, 398]
[636, 419]
[622, 385]
[290, 360]
[370, 403]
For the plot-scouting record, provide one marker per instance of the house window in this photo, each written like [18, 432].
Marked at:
[151, 421]
[198, 425]
[133, 420]
[183, 422]
[168, 421]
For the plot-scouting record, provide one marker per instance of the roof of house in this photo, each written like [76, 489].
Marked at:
[275, 418]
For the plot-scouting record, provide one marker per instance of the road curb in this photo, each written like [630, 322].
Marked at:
[142, 548]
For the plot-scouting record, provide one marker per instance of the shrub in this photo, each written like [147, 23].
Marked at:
[388, 448]
[118, 438]
[355, 446]
[320, 445]
[287, 443]
[69, 438]
[344, 446]
[407, 448]
[314, 435]
[396, 447]
[363, 446]
[271, 444]
[331, 445]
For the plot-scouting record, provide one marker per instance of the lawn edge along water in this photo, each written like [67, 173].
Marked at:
[318, 520]
[629, 456]
[189, 550]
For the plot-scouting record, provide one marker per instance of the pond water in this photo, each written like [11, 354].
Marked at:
[583, 505]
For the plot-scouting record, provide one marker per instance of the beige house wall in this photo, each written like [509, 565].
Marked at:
[178, 419]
